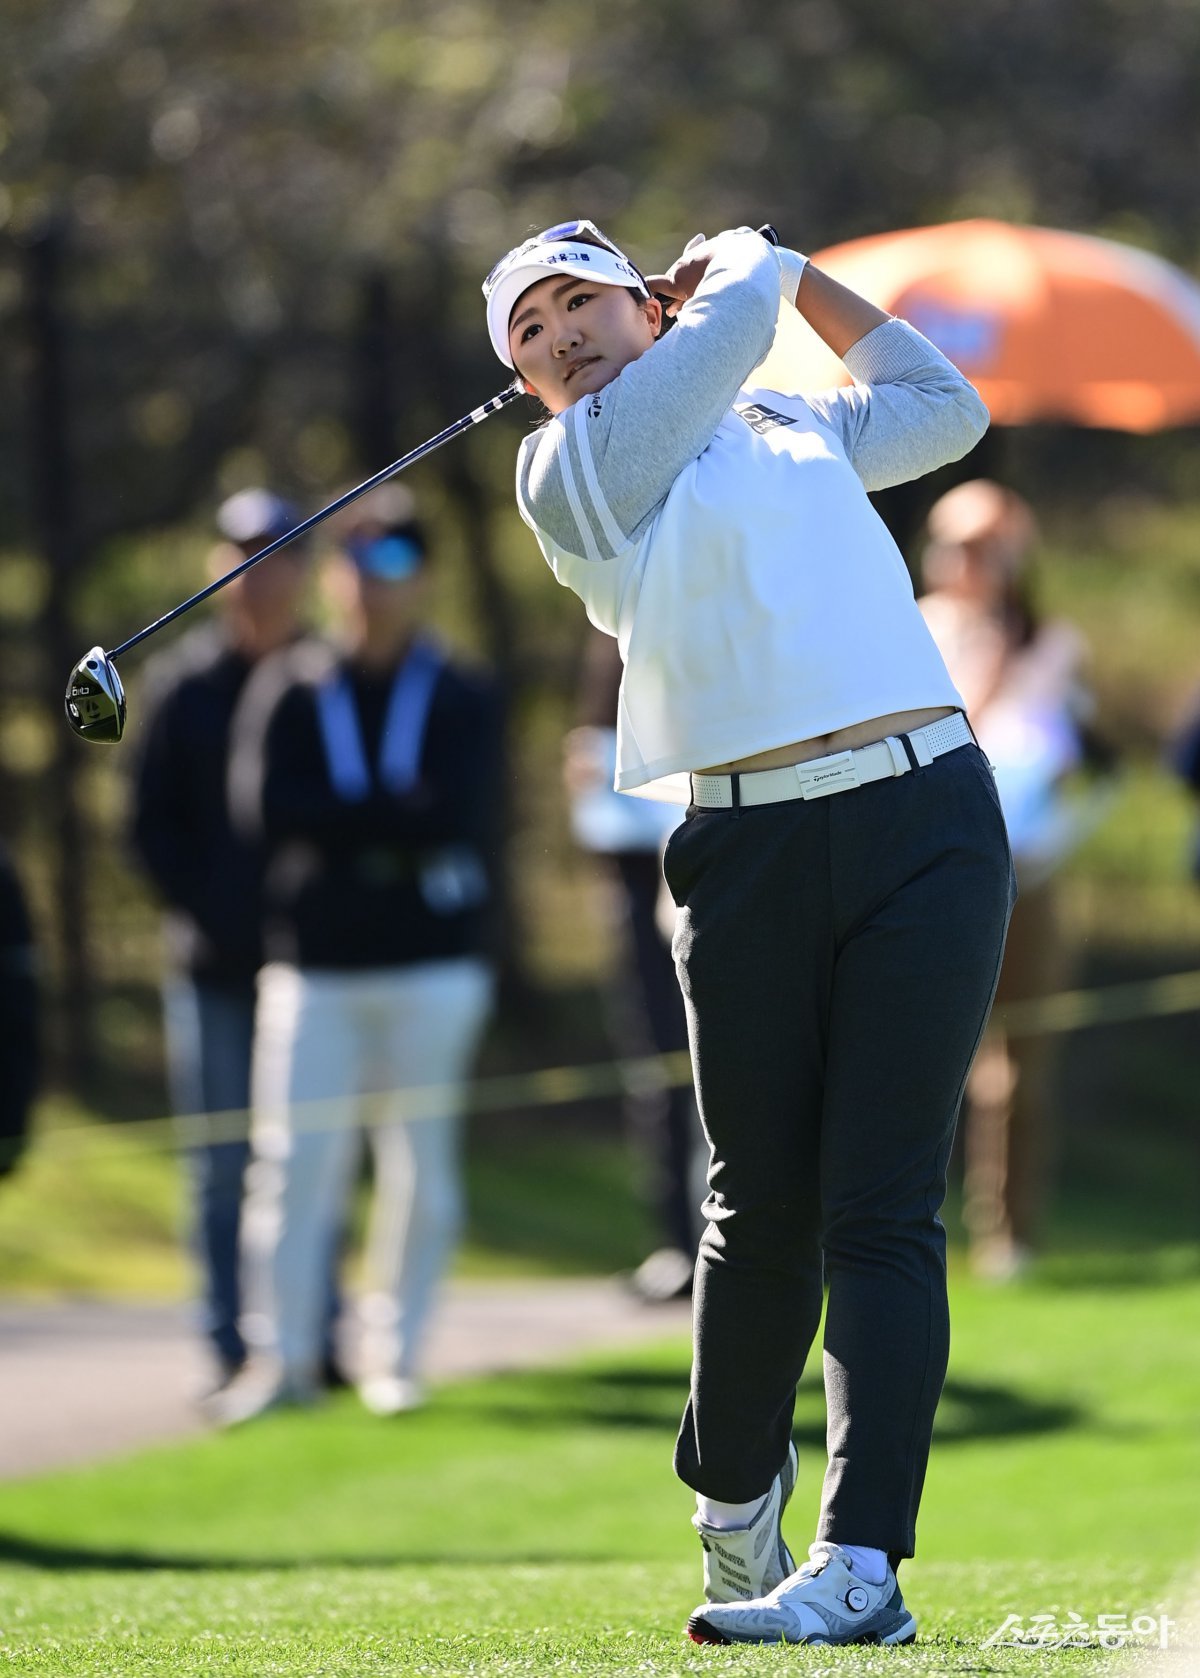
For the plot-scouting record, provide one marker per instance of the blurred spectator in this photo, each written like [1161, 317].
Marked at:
[210, 880]
[1021, 680]
[371, 770]
[646, 1011]
[18, 1017]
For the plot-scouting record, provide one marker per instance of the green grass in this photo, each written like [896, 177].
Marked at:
[530, 1523]
[92, 1210]
[98, 1208]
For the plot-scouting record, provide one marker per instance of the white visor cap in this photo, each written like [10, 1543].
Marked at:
[584, 262]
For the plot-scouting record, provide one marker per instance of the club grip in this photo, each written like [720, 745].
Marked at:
[767, 232]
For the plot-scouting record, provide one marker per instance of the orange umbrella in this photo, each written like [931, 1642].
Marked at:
[1047, 325]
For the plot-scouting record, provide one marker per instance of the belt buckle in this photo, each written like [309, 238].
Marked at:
[825, 775]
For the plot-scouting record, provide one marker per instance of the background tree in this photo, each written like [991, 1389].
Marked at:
[252, 235]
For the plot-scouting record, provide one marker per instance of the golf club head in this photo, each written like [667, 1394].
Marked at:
[95, 700]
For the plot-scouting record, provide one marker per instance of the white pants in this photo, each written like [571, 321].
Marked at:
[390, 1050]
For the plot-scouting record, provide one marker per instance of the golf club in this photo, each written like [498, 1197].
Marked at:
[95, 698]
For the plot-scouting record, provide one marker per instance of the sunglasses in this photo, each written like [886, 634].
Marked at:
[586, 232]
[391, 557]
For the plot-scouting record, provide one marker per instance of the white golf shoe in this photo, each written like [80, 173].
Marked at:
[745, 1562]
[257, 1389]
[822, 1602]
[391, 1395]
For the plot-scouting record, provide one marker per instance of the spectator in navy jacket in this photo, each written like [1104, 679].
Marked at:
[369, 770]
[210, 881]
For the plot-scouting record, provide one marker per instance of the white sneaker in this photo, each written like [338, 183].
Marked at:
[391, 1395]
[822, 1602]
[745, 1562]
[664, 1276]
[255, 1391]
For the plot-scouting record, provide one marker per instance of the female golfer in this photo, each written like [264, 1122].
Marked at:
[843, 876]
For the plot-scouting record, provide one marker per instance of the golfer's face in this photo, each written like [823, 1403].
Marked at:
[569, 337]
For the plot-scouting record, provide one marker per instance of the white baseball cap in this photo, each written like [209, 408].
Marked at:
[559, 249]
[255, 515]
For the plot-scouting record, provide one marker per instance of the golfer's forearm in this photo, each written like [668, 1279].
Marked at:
[839, 316]
[659, 413]
[908, 411]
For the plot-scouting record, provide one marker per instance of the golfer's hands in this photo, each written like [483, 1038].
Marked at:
[684, 275]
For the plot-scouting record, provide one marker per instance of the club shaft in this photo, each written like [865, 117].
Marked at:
[509, 394]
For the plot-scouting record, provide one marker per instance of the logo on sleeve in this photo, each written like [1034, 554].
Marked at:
[594, 408]
[761, 419]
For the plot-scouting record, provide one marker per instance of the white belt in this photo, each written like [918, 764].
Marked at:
[822, 776]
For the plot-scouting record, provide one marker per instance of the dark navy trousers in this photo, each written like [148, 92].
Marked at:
[838, 958]
[209, 1032]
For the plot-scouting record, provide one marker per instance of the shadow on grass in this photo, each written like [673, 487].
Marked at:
[636, 1398]
[971, 1411]
[558, 1401]
[16, 1550]
[612, 1398]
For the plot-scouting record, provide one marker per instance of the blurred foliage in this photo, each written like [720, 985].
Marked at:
[272, 221]
[230, 172]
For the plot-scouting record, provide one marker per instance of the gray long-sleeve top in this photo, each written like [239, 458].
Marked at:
[722, 531]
